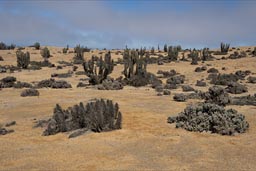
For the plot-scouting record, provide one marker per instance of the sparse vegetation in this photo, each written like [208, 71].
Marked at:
[45, 53]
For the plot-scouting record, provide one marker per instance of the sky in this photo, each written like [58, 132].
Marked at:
[141, 23]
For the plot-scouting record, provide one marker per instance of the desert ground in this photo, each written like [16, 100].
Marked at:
[145, 142]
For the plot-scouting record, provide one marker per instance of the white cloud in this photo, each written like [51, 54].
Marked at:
[59, 23]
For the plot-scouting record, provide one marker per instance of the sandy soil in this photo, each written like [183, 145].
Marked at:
[146, 142]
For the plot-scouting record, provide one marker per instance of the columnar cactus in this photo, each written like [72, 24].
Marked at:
[134, 58]
[98, 69]
[205, 53]
[224, 47]
[173, 52]
[79, 56]
[23, 59]
[194, 56]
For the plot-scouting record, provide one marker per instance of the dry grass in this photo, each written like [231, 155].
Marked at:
[146, 141]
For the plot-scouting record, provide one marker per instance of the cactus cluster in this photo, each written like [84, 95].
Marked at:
[98, 115]
[134, 63]
[98, 69]
[173, 52]
[224, 47]
[23, 59]
[194, 56]
[79, 55]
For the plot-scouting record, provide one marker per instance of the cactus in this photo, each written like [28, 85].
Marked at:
[165, 48]
[194, 56]
[224, 47]
[173, 52]
[23, 59]
[98, 115]
[45, 52]
[65, 50]
[152, 50]
[98, 69]
[134, 58]
[205, 53]
[79, 56]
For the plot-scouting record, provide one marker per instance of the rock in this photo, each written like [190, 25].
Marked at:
[210, 118]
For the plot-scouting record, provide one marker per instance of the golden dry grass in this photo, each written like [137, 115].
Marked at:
[146, 142]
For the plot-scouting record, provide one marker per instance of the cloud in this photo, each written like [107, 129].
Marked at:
[113, 25]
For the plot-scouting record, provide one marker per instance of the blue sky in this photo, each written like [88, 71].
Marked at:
[114, 24]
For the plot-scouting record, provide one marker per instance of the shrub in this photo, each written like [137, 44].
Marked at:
[45, 52]
[23, 59]
[217, 95]
[180, 97]
[210, 118]
[37, 45]
[98, 115]
[29, 92]
[236, 88]
[51, 83]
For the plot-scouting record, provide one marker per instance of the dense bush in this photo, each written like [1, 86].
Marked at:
[210, 118]
[98, 115]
